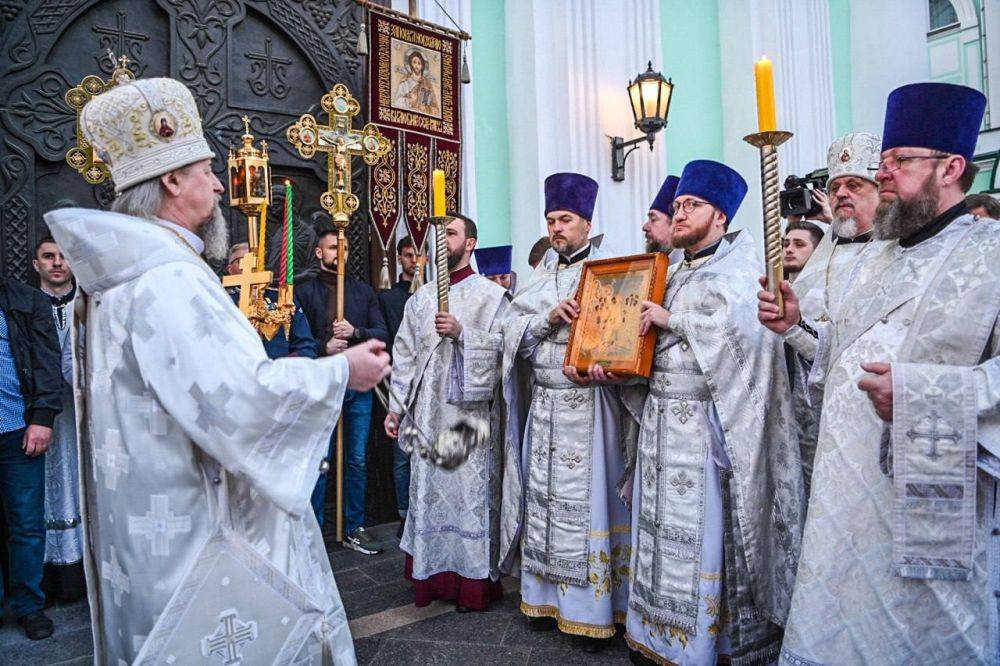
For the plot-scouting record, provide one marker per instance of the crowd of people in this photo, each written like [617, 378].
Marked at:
[808, 475]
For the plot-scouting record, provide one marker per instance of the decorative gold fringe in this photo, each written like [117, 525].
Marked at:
[571, 627]
[647, 653]
[383, 279]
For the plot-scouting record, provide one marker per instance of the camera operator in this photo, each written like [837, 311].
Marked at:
[805, 198]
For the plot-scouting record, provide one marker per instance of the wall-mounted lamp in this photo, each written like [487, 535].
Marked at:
[649, 95]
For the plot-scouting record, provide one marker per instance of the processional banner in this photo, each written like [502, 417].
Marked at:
[414, 97]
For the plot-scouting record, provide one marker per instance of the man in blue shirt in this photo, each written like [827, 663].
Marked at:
[299, 341]
[362, 321]
[30, 398]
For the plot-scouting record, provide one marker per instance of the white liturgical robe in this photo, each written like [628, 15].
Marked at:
[198, 456]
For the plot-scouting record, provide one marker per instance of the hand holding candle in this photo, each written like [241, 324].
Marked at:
[767, 120]
[439, 206]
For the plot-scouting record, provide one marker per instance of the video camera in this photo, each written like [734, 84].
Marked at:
[796, 198]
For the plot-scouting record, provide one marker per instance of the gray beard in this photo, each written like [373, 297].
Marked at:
[902, 219]
[845, 228]
[215, 234]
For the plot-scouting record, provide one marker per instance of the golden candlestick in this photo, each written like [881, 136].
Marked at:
[441, 260]
[767, 143]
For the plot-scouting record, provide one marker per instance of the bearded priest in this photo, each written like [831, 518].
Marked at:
[717, 498]
[899, 553]
[446, 370]
[562, 515]
[198, 453]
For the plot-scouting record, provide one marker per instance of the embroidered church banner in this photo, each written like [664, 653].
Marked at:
[414, 97]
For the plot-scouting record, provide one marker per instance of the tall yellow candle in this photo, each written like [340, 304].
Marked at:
[767, 120]
[439, 208]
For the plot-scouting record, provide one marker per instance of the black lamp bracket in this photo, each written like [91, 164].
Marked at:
[619, 154]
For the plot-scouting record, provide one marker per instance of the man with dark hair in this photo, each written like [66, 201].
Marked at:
[63, 579]
[362, 321]
[538, 251]
[446, 370]
[903, 515]
[799, 242]
[983, 205]
[30, 398]
[393, 303]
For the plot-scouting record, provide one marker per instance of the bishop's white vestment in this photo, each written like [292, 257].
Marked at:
[453, 516]
[562, 515]
[198, 456]
[901, 544]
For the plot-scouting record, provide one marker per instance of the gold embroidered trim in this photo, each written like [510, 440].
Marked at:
[705, 575]
[617, 529]
[647, 653]
[575, 628]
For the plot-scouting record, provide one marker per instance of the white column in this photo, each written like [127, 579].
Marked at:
[569, 62]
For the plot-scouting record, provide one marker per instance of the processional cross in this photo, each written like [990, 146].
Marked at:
[340, 142]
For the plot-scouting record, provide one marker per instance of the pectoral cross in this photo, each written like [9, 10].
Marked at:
[340, 142]
[247, 280]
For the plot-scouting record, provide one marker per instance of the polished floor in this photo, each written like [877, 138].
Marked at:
[386, 626]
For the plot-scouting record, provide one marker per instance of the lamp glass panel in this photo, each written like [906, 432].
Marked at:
[650, 90]
[665, 90]
[634, 98]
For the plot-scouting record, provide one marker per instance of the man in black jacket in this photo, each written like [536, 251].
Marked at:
[362, 321]
[30, 398]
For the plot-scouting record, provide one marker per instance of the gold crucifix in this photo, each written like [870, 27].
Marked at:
[250, 282]
[340, 142]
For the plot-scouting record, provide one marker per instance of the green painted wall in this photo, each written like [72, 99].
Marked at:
[840, 40]
[490, 100]
[692, 57]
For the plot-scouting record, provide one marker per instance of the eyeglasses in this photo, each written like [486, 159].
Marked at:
[891, 164]
[689, 205]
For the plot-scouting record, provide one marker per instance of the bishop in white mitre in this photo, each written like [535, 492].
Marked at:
[446, 369]
[899, 557]
[851, 162]
[198, 453]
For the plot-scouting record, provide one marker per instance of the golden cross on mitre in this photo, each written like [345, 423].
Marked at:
[340, 142]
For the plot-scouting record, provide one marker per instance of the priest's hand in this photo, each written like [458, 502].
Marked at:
[343, 329]
[392, 425]
[878, 385]
[447, 324]
[574, 376]
[564, 313]
[36, 440]
[767, 309]
[368, 363]
[652, 314]
[597, 374]
[335, 346]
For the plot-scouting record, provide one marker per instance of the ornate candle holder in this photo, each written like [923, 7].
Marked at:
[441, 260]
[767, 143]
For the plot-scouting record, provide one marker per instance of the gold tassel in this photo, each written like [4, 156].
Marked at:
[418, 275]
[383, 280]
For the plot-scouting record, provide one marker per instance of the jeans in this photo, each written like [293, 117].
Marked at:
[401, 477]
[22, 491]
[357, 419]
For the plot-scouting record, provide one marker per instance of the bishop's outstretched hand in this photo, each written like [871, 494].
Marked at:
[368, 363]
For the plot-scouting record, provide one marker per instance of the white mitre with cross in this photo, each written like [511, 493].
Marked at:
[854, 154]
[145, 128]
